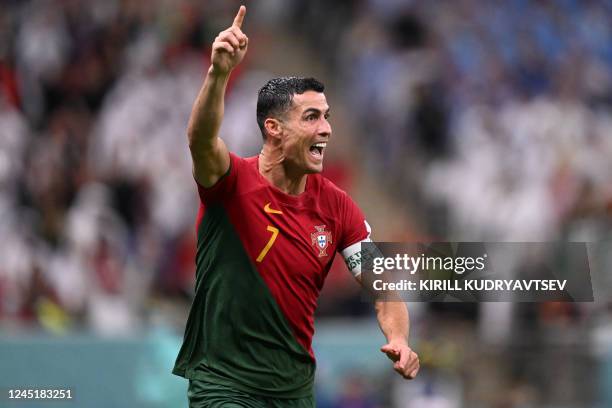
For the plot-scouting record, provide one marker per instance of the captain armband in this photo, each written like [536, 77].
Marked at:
[357, 254]
[354, 255]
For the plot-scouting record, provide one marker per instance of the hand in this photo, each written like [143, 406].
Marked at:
[230, 46]
[406, 361]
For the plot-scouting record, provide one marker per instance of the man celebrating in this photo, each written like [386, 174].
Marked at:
[268, 228]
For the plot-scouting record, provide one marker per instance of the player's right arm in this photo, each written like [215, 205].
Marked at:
[210, 156]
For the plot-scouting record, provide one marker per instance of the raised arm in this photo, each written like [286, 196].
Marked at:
[209, 153]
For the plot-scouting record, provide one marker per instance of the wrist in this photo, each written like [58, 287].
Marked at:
[216, 73]
[398, 340]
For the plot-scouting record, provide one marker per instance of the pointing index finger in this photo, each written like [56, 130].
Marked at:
[239, 17]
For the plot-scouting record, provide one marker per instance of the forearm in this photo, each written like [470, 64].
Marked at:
[211, 159]
[393, 320]
[207, 113]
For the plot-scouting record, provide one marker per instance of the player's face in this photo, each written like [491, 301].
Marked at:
[306, 132]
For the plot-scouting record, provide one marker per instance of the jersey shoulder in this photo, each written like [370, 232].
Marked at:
[241, 177]
[329, 193]
[246, 166]
[354, 227]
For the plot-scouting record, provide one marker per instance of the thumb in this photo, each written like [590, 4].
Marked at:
[387, 348]
[390, 350]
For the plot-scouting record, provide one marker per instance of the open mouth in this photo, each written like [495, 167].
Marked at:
[317, 149]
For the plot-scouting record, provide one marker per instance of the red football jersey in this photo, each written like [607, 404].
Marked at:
[291, 240]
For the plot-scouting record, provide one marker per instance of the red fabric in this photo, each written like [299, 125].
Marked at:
[8, 82]
[295, 267]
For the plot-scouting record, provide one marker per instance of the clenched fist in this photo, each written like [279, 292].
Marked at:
[230, 46]
[405, 361]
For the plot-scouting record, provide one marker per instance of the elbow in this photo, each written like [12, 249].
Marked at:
[190, 140]
[191, 136]
[194, 139]
[198, 142]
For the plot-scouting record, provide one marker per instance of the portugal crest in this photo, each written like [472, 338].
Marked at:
[321, 239]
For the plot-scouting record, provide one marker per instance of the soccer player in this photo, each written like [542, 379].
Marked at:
[268, 229]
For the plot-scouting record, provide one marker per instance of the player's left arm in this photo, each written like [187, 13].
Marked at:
[392, 314]
[394, 322]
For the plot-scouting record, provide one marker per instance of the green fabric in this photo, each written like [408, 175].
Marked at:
[204, 394]
[236, 334]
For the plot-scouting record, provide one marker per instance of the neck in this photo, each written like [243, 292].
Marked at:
[273, 167]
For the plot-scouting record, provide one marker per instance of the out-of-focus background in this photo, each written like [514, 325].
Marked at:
[453, 120]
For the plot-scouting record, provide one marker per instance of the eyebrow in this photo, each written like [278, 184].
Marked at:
[315, 110]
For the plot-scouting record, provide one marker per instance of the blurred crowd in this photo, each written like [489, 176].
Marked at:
[96, 198]
[494, 117]
[485, 120]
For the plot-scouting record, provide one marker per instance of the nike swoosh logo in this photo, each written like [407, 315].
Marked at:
[270, 210]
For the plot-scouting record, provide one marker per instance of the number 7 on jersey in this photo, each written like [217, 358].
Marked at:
[264, 251]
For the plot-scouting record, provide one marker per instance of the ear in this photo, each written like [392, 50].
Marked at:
[273, 128]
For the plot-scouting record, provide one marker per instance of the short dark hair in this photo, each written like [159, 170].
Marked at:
[275, 97]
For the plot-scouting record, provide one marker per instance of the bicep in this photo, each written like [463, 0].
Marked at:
[210, 162]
